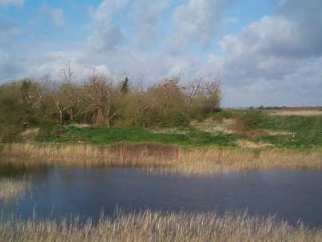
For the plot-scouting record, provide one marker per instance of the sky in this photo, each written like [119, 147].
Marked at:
[266, 52]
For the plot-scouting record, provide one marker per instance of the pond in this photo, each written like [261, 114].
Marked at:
[91, 193]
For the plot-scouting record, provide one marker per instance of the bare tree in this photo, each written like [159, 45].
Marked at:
[204, 95]
[100, 96]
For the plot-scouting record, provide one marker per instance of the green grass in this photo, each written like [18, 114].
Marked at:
[307, 131]
[187, 137]
[299, 132]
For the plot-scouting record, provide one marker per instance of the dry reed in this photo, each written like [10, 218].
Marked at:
[207, 161]
[11, 188]
[154, 226]
[189, 161]
[137, 155]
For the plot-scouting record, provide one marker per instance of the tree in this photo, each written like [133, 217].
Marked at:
[204, 97]
[125, 86]
[31, 100]
[100, 99]
[166, 104]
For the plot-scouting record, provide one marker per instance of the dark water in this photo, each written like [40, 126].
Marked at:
[59, 193]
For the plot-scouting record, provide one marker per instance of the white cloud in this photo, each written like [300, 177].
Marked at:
[108, 8]
[272, 35]
[197, 21]
[105, 34]
[10, 67]
[143, 18]
[272, 61]
[50, 66]
[147, 16]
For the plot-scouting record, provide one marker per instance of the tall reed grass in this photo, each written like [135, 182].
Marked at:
[190, 161]
[29, 155]
[207, 161]
[154, 226]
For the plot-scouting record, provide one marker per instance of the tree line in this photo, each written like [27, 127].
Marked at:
[102, 101]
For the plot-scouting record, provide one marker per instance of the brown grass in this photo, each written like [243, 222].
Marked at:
[153, 226]
[189, 161]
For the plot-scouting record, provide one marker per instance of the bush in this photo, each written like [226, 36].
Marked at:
[101, 102]
[165, 105]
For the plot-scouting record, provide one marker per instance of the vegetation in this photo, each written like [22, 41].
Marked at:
[184, 137]
[201, 161]
[283, 131]
[166, 126]
[11, 188]
[101, 102]
[103, 111]
[154, 226]
[305, 131]
[295, 132]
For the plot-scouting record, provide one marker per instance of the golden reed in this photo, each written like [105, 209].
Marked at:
[187, 160]
[158, 227]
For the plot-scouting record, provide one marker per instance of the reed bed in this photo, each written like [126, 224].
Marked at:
[155, 226]
[134, 155]
[207, 161]
[11, 189]
[171, 158]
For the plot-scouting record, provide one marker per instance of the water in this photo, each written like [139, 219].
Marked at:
[89, 193]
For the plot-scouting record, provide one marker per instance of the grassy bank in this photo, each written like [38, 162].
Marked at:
[226, 140]
[172, 158]
[229, 128]
[273, 128]
[150, 226]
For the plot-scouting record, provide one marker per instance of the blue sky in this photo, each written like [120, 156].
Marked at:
[265, 52]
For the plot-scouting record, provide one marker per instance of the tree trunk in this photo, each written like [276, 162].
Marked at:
[99, 119]
[61, 117]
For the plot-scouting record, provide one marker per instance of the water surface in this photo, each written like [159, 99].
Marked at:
[90, 193]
